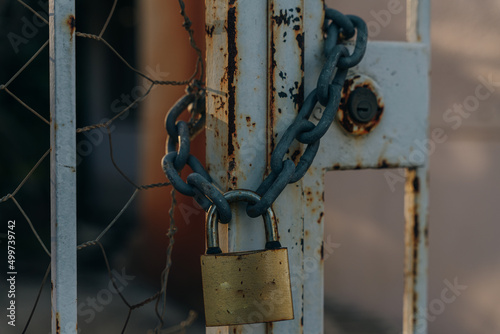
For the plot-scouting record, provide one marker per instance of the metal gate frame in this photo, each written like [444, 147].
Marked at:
[262, 56]
[254, 54]
[63, 165]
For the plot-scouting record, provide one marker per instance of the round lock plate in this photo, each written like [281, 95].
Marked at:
[361, 106]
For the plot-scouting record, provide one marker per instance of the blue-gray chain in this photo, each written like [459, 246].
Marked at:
[337, 27]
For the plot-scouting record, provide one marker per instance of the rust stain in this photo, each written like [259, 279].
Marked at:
[231, 71]
[272, 68]
[209, 30]
[321, 214]
[414, 234]
[71, 22]
[343, 116]
[295, 154]
[383, 164]
[415, 308]
[416, 184]
[219, 103]
[300, 43]
[416, 240]
[231, 166]
[58, 325]
[284, 16]
[426, 235]
[298, 97]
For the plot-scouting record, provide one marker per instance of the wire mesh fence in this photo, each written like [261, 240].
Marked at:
[33, 23]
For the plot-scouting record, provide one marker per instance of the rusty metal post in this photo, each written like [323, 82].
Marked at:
[286, 94]
[416, 200]
[416, 252]
[63, 165]
[313, 184]
[259, 65]
[236, 127]
[255, 84]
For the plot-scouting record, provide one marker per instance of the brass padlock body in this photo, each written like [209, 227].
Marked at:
[246, 287]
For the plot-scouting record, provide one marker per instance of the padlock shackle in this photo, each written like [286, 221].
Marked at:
[240, 195]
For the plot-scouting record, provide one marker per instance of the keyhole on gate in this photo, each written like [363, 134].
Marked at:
[362, 105]
[363, 109]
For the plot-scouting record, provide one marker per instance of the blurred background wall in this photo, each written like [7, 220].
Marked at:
[364, 214]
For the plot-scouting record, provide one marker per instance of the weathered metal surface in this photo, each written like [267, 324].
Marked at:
[63, 165]
[400, 137]
[399, 74]
[417, 199]
[418, 21]
[397, 138]
[286, 93]
[313, 183]
[236, 35]
[416, 251]
[246, 287]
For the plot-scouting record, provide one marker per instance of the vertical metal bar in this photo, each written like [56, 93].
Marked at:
[416, 252]
[286, 94]
[418, 20]
[313, 183]
[236, 115]
[63, 165]
[416, 201]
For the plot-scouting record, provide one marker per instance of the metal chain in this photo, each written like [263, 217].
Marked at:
[338, 28]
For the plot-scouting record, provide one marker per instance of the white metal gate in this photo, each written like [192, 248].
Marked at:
[255, 51]
[251, 56]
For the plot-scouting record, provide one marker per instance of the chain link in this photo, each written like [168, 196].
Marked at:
[338, 28]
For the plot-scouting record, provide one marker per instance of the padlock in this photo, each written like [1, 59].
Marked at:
[250, 286]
